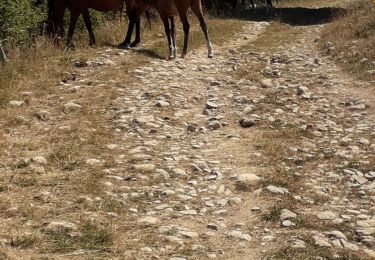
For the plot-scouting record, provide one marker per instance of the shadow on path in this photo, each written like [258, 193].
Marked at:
[293, 15]
[149, 53]
[144, 52]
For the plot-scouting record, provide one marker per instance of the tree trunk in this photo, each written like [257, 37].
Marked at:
[3, 58]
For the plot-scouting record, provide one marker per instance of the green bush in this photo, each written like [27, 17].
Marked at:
[22, 20]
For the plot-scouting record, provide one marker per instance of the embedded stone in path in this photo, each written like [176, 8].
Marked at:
[214, 125]
[40, 160]
[211, 105]
[71, 107]
[145, 168]
[321, 240]
[247, 122]
[277, 190]
[189, 234]
[55, 226]
[92, 162]
[326, 215]
[16, 103]
[248, 178]
[287, 214]
[148, 221]
[266, 83]
[239, 234]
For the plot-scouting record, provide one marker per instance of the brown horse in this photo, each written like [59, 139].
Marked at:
[56, 9]
[168, 10]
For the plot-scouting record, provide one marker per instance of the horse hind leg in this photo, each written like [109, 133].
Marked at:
[186, 27]
[252, 4]
[173, 34]
[167, 28]
[87, 20]
[73, 21]
[197, 9]
[137, 31]
[126, 43]
[269, 6]
[234, 6]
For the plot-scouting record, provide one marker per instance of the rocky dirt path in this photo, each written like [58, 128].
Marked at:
[257, 153]
[179, 127]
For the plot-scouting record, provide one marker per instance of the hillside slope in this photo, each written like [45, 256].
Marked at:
[353, 39]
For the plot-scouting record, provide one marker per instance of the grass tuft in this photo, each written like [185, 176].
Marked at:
[353, 36]
[94, 238]
[23, 242]
[273, 214]
[89, 237]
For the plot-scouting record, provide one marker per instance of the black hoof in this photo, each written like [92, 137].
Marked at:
[134, 44]
[124, 46]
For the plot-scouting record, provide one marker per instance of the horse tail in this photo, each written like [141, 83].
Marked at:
[148, 15]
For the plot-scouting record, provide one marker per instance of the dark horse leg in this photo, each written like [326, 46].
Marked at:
[132, 19]
[269, 6]
[168, 32]
[240, 3]
[197, 10]
[173, 34]
[73, 21]
[252, 3]
[87, 20]
[186, 27]
[134, 15]
[56, 10]
[137, 19]
[214, 6]
[137, 31]
[234, 6]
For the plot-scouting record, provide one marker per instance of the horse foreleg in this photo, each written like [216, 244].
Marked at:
[167, 28]
[186, 27]
[234, 6]
[73, 21]
[216, 7]
[252, 4]
[269, 6]
[126, 42]
[199, 13]
[87, 20]
[237, 5]
[137, 31]
[173, 34]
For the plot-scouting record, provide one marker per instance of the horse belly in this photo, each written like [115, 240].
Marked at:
[104, 5]
[169, 7]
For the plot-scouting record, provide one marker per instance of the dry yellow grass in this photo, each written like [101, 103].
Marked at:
[38, 65]
[310, 3]
[353, 36]
[68, 140]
